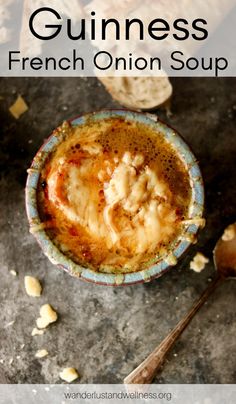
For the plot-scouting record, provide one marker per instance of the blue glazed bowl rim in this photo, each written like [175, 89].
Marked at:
[179, 246]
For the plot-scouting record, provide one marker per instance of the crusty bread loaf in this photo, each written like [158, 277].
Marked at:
[139, 92]
[5, 31]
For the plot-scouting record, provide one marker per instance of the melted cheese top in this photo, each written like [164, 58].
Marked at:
[146, 216]
[117, 205]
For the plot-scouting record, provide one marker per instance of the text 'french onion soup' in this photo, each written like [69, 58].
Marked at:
[113, 195]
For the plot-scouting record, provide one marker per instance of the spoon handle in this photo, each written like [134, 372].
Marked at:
[147, 370]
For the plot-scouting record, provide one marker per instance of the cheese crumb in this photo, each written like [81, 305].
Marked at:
[19, 107]
[41, 353]
[229, 233]
[32, 286]
[69, 375]
[13, 272]
[198, 263]
[36, 331]
[47, 316]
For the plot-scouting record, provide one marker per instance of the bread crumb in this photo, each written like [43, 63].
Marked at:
[19, 107]
[198, 263]
[69, 375]
[36, 331]
[13, 272]
[47, 316]
[41, 353]
[32, 286]
[229, 233]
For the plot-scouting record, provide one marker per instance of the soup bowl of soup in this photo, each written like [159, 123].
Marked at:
[115, 197]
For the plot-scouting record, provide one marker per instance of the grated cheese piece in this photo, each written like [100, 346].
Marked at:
[198, 263]
[69, 375]
[47, 316]
[19, 107]
[41, 353]
[13, 272]
[229, 233]
[35, 228]
[32, 286]
[36, 331]
[42, 322]
[198, 221]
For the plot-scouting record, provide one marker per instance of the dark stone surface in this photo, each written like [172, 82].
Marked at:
[106, 332]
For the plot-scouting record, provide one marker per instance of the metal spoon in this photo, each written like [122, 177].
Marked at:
[225, 264]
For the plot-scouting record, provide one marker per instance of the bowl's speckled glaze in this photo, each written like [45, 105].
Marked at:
[178, 247]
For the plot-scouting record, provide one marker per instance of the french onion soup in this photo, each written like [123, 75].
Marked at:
[113, 195]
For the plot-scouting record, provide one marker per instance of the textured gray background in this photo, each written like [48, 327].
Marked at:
[106, 332]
